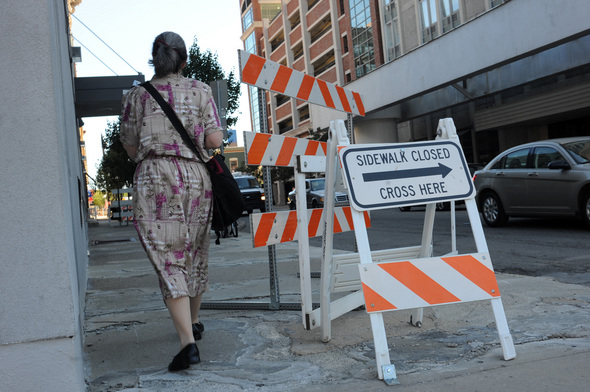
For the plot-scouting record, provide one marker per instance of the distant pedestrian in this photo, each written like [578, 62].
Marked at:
[172, 188]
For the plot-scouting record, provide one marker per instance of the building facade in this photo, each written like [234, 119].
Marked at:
[44, 240]
[506, 71]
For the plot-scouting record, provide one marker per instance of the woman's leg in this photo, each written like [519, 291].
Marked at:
[180, 310]
[195, 307]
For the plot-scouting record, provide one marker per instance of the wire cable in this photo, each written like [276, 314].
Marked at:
[94, 55]
[107, 45]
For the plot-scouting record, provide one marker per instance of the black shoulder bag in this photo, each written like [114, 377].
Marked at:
[228, 204]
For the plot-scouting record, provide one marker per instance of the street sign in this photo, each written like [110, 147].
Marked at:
[396, 175]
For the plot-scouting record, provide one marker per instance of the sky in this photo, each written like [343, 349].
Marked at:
[129, 27]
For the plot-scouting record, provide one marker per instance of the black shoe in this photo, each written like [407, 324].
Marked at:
[189, 355]
[198, 330]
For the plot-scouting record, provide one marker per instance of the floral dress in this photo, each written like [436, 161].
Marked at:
[171, 186]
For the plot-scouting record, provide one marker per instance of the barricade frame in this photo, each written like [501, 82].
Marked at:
[385, 369]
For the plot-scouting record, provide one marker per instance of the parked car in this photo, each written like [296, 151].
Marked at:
[544, 178]
[252, 192]
[445, 205]
[315, 189]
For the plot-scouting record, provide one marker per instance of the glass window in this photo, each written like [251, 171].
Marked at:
[270, 10]
[450, 14]
[429, 19]
[578, 150]
[516, 159]
[362, 37]
[542, 156]
[247, 19]
[250, 44]
[392, 35]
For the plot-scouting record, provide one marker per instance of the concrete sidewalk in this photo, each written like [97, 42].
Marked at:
[130, 338]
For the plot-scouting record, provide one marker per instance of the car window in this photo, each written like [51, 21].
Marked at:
[579, 150]
[542, 156]
[317, 185]
[516, 159]
[245, 182]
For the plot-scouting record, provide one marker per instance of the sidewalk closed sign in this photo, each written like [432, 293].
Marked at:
[397, 175]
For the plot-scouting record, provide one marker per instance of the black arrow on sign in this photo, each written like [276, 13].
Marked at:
[441, 170]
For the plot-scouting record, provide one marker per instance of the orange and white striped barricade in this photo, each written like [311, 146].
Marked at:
[270, 228]
[304, 155]
[269, 75]
[123, 204]
[397, 175]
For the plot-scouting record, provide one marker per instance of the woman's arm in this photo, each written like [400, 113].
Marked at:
[131, 150]
[212, 140]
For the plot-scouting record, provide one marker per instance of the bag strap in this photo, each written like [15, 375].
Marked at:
[172, 117]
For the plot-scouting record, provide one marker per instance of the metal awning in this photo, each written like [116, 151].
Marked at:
[101, 96]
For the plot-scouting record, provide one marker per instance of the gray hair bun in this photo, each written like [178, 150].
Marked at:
[168, 53]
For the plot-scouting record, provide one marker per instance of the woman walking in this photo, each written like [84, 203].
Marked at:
[172, 188]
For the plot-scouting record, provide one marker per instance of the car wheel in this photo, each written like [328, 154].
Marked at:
[586, 208]
[443, 206]
[405, 209]
[263, 209]
[249, 212]
[314, 204]
[492, 210]
[292, 206]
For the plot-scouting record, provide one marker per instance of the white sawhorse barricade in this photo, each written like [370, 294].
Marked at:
[393, 279]
[271, 228]
[396, 175]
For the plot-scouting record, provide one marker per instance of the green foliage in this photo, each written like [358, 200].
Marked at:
[98, 199]
[116, 168]
[205, 67]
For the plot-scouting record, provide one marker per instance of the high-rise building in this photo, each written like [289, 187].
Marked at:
[506, 71]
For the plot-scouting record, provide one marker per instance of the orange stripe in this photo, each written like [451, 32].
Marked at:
[258, 148]
[326, 94]
[324, 147]
[343, 99]
[306, 86]
[252, 69]
[290, 227]
[367, 219]
[476, 272]
[312, 147]
[348, 215]
[374, 302]
[359, 103]
[281, 79]
[264, 228]
[419, 283]
[286, 152]
[314, 221]
[337, 227]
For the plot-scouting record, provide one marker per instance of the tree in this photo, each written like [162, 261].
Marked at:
[204, 66]
[116, 168]
[98, 198]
